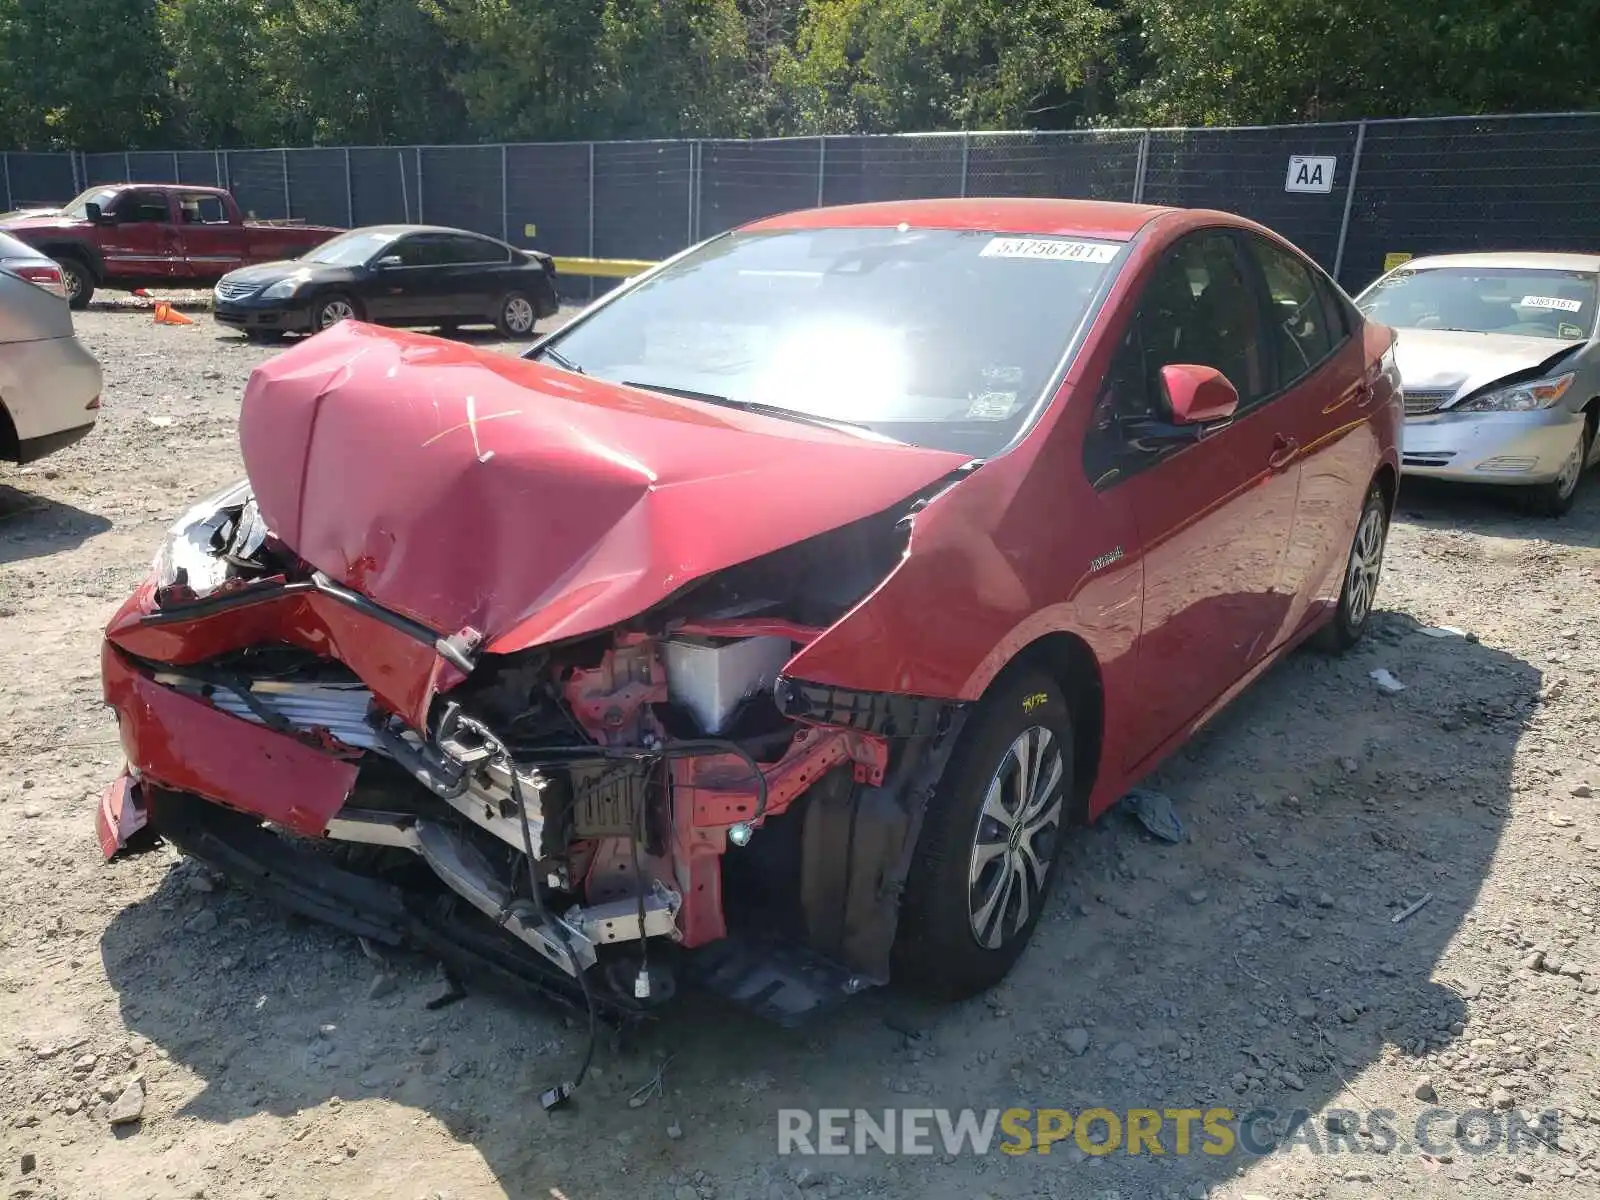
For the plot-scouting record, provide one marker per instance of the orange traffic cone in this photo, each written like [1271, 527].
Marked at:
[167, 315]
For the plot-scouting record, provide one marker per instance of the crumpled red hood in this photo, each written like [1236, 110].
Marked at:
[465, 488]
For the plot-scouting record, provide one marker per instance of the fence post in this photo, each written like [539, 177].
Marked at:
[349, 193]
[227, 169]
[420, 217]
[505, 197]
[216, 166]
[72, 161]
[5, 162]
[1140, 163]
[692, 172]
[591, 214]
[822, 165]
[283, 165]
[177, 171]
[966, 147]
[127, 167]
[1349, 198]
[405, 192]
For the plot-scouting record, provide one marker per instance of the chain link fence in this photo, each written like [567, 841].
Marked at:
[1368, 189]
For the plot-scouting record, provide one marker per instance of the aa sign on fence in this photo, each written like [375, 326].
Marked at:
[1309, 174]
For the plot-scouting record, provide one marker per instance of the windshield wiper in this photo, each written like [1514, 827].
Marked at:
[755, 406]
[560, 360]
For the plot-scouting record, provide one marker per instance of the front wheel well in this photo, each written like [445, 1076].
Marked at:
[10, 445]
[1068, 660]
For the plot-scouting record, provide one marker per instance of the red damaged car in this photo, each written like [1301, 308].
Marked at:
[770, 625]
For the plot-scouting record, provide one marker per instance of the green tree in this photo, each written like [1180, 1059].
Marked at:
[1259, 61]
[551, 69]
[81, 74]
[890, 65]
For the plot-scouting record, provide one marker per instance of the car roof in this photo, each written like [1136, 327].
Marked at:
[400, 230]
[1105, 219]
[1530, 260]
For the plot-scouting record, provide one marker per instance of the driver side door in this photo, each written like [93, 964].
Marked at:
[142, 241]
[1212, 514]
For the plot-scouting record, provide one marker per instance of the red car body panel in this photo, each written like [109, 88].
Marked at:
[468, 491]
[528, 503]
[189, 745]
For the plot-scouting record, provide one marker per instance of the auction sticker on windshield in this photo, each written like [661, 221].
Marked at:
[1555, 302]
[1051, 248]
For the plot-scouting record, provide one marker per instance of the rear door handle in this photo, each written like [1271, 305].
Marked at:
[1283, 453]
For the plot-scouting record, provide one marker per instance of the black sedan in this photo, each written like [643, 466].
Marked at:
[392, 275]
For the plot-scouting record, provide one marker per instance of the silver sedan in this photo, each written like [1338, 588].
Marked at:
[49, 384]
[1499, 358]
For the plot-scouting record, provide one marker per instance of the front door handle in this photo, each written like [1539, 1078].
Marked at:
[1283, 453]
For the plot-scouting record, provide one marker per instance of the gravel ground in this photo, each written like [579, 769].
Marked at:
[1260, 964]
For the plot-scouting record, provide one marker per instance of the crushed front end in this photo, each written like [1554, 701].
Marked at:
[576, 816]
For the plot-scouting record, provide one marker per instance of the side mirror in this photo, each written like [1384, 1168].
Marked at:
[96, 215]
[1197, 395]
[387, 261]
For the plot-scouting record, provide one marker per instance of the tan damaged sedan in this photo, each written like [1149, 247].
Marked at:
[49, 384]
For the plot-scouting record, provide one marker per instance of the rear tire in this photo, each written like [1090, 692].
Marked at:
[990, 843]
[516, 316]
[1363, 571]
[1555, 499]
[78, 280]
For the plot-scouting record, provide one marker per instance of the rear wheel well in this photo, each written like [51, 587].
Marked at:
[1067, 659]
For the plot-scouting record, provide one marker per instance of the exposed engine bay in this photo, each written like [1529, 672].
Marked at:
[606, 802]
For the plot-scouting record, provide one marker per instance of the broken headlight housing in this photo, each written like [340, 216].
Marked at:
[199, 544]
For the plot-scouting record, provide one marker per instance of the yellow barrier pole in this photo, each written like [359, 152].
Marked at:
[605, 268]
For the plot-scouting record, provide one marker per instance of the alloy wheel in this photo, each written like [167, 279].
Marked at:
[1366, 564]
[1015, 842]
[519, 316]
[335, 311]
[1572, 468]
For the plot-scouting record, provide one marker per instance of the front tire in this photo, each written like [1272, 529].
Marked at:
[990, 843]
[1362, 572]
[78, 281]
[1555, 499]
[516, 316]
[328, 311]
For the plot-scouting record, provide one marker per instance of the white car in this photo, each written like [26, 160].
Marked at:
[1499, 357]
[49, 384]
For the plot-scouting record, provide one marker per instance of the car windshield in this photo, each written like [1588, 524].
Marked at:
[79, 206]
[1530, 302]
[350, 249]
[940, 338]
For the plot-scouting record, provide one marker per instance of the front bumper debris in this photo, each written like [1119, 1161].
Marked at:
[1505, 448]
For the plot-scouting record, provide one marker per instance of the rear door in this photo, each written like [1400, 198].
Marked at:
[1213, 516]
[1324, 397]
[473, 277]
[143, 241]
[213, 244]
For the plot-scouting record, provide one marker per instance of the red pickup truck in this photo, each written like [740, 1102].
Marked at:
[126, 235]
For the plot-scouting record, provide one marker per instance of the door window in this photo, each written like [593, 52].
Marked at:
[419, 250]
[1197, 307]
[471, 250]
[1301, 333]
[202, 210]
[143, 208]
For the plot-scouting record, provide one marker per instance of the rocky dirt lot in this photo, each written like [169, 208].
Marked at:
[1258, 965]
